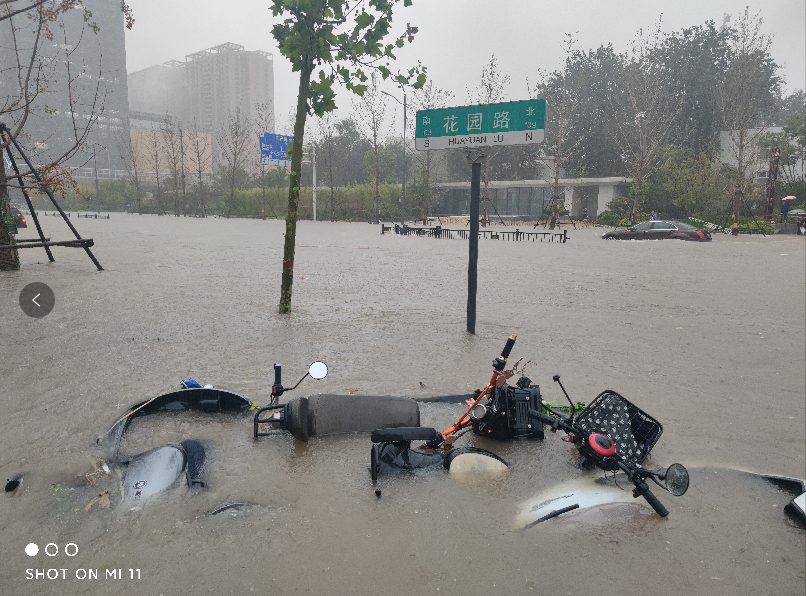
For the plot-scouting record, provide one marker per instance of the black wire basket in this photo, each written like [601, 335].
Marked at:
[633, 431]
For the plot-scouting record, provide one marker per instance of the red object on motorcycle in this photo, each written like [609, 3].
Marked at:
[601, 444]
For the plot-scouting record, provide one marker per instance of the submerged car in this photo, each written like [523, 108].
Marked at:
[19, 218]
[657, 230]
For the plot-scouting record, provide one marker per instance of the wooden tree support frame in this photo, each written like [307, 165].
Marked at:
[79, 242]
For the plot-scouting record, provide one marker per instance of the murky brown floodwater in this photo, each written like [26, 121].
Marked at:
[710, 339]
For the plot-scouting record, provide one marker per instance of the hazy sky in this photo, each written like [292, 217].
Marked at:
[457, 37]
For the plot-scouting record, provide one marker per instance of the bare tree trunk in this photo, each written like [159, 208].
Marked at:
[377, 175]
[293, 191]
[330, 176]
[263, 188]
[9, 259]
[555, 197]
[738, 193]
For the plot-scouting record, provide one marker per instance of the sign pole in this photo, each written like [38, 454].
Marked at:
[475, 129]
[403, 199]
[474, 157]
[313, 159]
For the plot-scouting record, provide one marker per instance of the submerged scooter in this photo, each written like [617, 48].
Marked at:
[330, 414]
[610, 433]
[615, 435]
[305, 417]
[498, 411]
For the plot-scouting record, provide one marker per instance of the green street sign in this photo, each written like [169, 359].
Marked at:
[510, 123]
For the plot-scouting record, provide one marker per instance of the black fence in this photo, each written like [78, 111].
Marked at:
[464, 234]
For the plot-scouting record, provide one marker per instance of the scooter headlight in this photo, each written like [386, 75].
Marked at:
[478, 412]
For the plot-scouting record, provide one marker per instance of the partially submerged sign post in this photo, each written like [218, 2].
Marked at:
[476, 129]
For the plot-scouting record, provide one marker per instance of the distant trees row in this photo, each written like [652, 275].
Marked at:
[653, 113]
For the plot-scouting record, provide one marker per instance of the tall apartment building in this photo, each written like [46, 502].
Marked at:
[205, 89]
[225, 78]
[95, 87]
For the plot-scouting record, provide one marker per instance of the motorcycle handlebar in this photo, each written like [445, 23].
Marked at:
[508, 347]
[641, 488]
[554, 422]
[656, 505]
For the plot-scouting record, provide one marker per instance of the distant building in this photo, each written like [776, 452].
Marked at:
[224, 78]
[757, 157]
[97, 62]
[159, 90]
[205, 89]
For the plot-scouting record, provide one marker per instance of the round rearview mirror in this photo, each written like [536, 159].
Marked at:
[318, 370]
[677, 479]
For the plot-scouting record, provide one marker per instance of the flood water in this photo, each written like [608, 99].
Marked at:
[710, 339]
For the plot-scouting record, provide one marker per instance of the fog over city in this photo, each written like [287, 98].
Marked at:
[457, 37]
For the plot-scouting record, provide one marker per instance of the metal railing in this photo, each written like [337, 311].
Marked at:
[440, 232]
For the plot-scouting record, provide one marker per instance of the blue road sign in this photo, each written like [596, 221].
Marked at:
[273, 149]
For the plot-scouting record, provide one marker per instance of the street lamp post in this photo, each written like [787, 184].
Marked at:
[97, 189]
[403, 200]
[182, 150]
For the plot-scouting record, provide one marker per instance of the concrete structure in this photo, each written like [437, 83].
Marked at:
[97, 89]
[508, 196]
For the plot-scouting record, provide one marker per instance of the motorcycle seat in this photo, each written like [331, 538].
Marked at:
[404, 433]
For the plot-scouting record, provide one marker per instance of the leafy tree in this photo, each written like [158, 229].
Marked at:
[381, 165]
[693, 179]
[794, 103]
[561, 90]
[351, 149]
[791, 144]
[227, 180]
[646, 110]
[698, 58]
[600, 73]
[748, 95]
[340, 42]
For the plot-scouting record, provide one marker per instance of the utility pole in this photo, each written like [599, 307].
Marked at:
[313, 159]
[97, 189]
[182, 152]
[403, 199]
